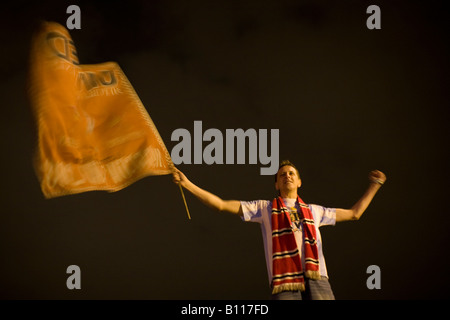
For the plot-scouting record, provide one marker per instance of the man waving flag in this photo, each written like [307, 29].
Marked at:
[93, 131]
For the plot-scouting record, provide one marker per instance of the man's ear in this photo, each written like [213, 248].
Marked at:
[276, 186]
[299, 183]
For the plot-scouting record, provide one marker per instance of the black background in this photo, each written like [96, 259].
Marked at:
[346, 100]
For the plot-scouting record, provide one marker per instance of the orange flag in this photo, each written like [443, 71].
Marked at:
[93, 131]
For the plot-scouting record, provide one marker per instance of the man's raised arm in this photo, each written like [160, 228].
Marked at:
[209, 199]
[376, 178]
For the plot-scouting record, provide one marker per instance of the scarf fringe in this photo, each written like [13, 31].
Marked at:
[288, 287]
[315, 275]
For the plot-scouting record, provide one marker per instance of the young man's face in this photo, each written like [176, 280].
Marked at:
[287, 179]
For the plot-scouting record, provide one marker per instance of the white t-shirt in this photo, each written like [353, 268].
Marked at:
[261, 211]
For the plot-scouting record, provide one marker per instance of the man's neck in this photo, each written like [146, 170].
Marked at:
[292, 194]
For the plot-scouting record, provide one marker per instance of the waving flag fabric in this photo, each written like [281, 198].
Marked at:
[93, 131]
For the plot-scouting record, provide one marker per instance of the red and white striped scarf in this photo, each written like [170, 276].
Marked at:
[287, 267]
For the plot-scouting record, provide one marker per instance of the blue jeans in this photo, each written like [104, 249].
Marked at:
[314, 290]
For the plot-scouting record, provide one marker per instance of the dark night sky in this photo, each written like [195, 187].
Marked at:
[346, 100]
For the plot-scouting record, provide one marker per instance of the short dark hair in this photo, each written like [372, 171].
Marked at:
[286, 163]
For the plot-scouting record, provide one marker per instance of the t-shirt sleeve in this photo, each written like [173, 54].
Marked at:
[324, 216]
[253, 210]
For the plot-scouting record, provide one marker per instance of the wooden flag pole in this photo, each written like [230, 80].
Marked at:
[174, 170]
[184, 199]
